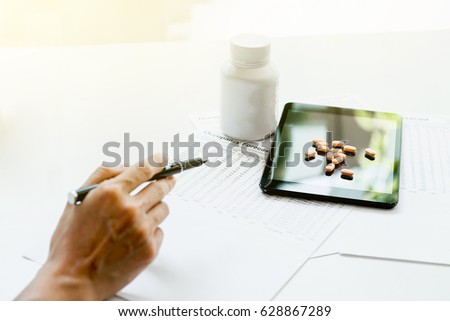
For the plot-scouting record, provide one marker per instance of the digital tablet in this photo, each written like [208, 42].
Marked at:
[335, 154]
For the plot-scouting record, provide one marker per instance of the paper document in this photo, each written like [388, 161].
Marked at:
[418, 228]
[425, 155]
[233, 189]
[337, 277]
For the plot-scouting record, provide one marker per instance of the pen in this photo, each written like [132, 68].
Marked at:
[77, 196]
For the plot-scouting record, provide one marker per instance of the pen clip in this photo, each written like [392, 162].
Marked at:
[180, 164]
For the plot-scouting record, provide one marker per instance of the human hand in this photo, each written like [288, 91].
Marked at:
[101, 245]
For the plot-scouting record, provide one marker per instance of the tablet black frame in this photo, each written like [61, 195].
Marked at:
[341, 195]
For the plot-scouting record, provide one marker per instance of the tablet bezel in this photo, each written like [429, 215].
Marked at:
[342, 195]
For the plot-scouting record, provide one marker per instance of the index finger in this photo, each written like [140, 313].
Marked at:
[103, 173]
[139, 173]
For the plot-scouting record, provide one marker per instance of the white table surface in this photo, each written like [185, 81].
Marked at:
[58, 106]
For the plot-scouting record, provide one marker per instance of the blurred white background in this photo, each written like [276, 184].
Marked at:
[312, 17]
[83, 22]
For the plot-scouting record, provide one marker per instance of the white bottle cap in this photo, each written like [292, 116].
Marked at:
[250, 50]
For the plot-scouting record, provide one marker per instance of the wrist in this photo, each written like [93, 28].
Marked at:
[53, 283]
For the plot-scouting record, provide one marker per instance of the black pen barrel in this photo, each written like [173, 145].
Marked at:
[167, 172]
[76, 197]
[195, 162]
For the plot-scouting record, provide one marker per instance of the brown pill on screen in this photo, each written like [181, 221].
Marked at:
[339, 159]
[310, 154]
[317, 140]
[329, 169]
[350, 150]
[347, 174]
[330, 156]
[338, 143]
[342, 155]
[370, 153]
[322, 148]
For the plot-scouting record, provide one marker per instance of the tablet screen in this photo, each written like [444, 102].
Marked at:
[374, 179]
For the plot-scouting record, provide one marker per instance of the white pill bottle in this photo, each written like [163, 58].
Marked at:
[249, 90]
